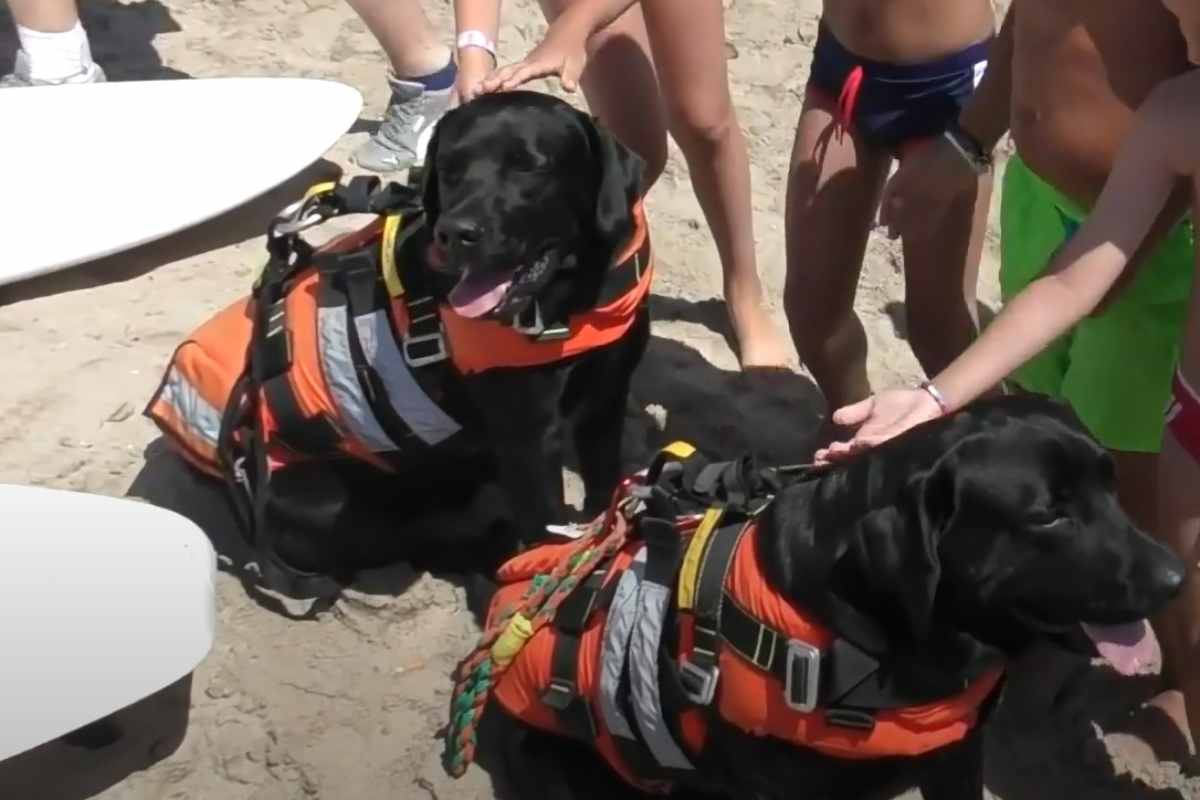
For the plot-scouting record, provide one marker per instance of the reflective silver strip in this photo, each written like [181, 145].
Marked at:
[196, 412]
[618, 627]
[333, 343]
[653, 602]
[425, 418]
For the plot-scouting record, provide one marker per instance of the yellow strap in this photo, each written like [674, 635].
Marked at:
[512, 640]
[679, 450]
[391, 276]
[320, 188]
[695, 556]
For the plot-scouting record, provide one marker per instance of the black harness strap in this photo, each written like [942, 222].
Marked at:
[572, 709]
[844, 680]
[621, 279]
[698, 671]
[353, 281]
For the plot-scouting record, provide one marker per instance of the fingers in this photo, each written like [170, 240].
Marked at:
[514, 76]
[571, 72]
[839, 451]
[496, 80]
[855, 413]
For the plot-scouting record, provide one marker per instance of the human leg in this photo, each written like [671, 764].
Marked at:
[421, 79]
[1179, 517]
[833, 189]
[941, 276]
[621, 86]
[702, 119]
[54, 46]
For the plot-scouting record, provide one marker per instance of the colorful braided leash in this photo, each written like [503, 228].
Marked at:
[503, 640]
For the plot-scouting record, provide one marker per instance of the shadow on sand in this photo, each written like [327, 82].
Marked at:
[93, 758]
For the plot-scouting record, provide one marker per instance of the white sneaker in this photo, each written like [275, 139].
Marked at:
[20, 76]
[408, 124]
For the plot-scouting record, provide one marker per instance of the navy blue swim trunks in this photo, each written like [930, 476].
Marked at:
[890, 105]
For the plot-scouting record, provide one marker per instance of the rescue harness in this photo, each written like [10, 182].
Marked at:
[576, 639]
[343, 352]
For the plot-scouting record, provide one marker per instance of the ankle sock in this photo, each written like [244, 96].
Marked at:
[56, 56]
[438, 81]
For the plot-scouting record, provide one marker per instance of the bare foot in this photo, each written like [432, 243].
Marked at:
[760, 345]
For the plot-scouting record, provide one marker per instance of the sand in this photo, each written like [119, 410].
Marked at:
[347, 704]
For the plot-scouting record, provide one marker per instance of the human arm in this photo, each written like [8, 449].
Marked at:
[917, 197]
[475, 63]
[1161, 147]
[563, 51]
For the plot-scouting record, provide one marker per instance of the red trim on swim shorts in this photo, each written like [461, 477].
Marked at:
[848, 99]
[1183, 415]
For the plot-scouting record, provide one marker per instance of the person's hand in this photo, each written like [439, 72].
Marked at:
[474, 64]
[916, 199]
[563, 53]
[879, 418]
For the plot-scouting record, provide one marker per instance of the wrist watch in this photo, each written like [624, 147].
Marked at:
[968, 147]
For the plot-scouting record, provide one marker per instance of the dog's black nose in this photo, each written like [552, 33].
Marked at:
[1171, 576]
[458, 233]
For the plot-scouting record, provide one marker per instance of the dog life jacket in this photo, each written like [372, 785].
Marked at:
[745, 653]
[342, 352]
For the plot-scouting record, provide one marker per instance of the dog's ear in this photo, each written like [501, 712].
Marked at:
[896, 549]
[430, 198]
[618, 184]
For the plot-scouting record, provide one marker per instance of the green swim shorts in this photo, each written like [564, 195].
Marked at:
[1114, 368]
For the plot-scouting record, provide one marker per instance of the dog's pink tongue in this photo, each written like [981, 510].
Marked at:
[476, 295]
[1128, 647]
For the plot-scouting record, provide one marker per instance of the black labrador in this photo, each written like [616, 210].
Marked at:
[950, 548]
[527, 203]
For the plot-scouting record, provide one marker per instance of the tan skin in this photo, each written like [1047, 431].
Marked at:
[1107, 58]
[47, 16]
[1076, 73]
[1160, 152]
[833, 193]
[404, 32]
[621, 51]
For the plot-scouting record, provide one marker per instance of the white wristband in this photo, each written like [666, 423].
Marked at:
[937, 396]
[475, 38]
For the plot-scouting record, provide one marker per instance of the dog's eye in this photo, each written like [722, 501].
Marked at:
[1051, 522]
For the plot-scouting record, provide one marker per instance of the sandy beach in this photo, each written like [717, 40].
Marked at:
[346, 705]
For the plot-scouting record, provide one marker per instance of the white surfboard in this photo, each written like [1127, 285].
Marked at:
[103, 602]
[96, 169]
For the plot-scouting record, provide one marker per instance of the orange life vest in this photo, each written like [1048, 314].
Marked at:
[769, 657]
[339, 353]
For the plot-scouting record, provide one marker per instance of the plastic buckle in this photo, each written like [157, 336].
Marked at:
[433, 358]
[539, 330]
[699, 683]
[803, 671]
[299, 216]
[558, 694]
[240, 476]
[536, 328]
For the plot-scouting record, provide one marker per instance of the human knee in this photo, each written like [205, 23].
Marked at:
[702, 127]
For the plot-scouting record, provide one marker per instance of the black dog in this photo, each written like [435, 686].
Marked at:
[527, 206]
[529, 202]
[943, 553]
